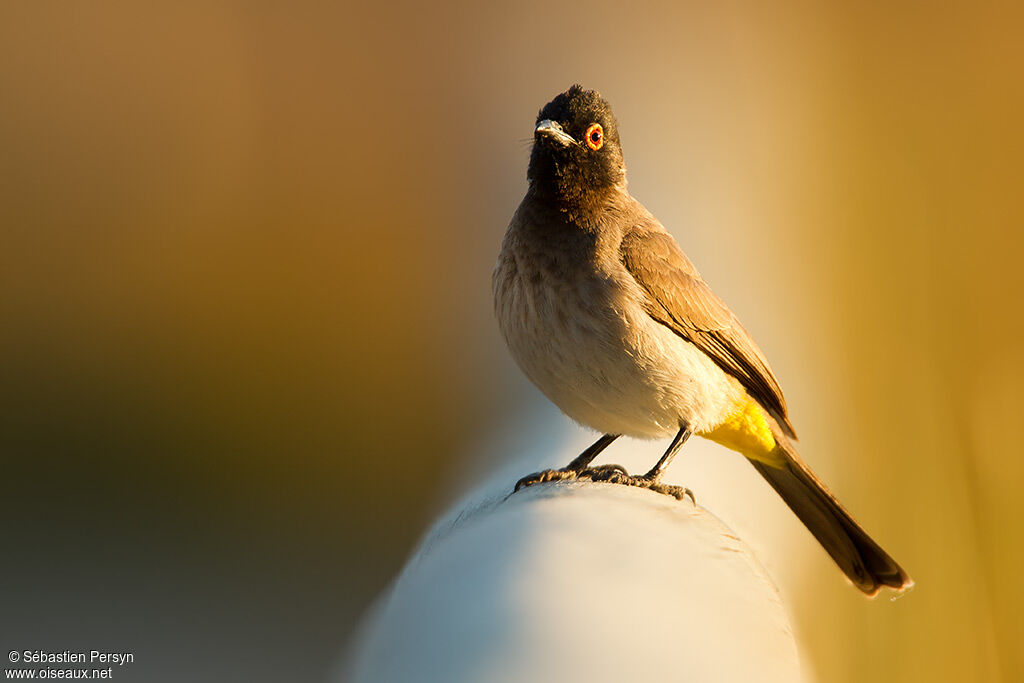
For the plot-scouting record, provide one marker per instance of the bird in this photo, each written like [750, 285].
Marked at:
[608, 318]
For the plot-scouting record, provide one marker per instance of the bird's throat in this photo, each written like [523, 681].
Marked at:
[584, 207]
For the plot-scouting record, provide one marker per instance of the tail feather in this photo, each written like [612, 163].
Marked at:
[861, 559]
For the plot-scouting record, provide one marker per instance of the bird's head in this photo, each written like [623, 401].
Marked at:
[576, 152]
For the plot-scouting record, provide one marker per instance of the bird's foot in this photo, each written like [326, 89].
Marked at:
[612, 474]
[602, 470]
[543, 476]
[644, 482]
[567, 473]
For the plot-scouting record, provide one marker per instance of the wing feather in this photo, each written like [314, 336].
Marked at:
[678, 298]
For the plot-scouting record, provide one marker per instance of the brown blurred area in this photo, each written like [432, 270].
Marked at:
[246, 336]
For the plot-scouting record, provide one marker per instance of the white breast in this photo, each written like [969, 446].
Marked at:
[586, 342]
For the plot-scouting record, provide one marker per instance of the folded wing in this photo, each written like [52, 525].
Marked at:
[678, 298]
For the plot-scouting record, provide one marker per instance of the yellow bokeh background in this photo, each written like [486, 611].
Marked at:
[246, 338]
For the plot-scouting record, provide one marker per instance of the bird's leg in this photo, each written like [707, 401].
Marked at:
[578, 465]
[586, 457]
[677, 442]
[651, 480]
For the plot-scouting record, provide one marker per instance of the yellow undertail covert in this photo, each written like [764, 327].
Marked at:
[746, 430]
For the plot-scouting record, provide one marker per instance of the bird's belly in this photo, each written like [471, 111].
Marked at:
[606, 364]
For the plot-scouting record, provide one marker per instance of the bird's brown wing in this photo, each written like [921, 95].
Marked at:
[678, 298]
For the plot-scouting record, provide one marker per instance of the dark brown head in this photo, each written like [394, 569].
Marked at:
[576, 154]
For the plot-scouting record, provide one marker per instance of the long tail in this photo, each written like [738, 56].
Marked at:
[861, 559]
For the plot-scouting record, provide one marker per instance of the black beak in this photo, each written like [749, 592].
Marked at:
[553, 131]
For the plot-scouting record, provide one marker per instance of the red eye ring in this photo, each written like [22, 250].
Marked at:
[594, 137]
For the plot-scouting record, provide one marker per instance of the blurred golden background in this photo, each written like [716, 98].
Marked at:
[246, 337]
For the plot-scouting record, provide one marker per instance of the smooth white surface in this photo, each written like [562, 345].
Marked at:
[578, 582]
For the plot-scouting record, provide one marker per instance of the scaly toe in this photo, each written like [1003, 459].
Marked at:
[677, 492]
[602, 470]
[543, 476]
[612, 475]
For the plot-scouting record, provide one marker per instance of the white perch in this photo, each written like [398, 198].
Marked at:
[578, 582]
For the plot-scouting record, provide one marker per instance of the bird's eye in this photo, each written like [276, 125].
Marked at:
[594, 136]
